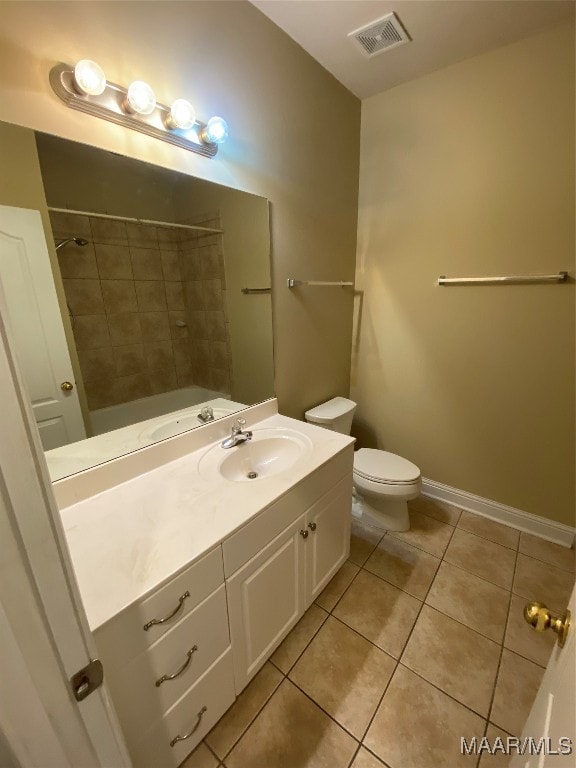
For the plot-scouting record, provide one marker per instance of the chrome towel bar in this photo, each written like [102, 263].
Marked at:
[293, 283]
[557, 278]
[256, 290]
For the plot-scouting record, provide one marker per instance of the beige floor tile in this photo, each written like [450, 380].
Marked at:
[379, 611]
[498, 759]
[200, 758]
[292, 731]
[484, 558]
[344, 674]
[405, 566]
[553, 554]
[363, 539]
[516, 688]
[440, 510]
[334, 590]
[231, 727]
[287, 653]
[426, 533]
[365, 759]
[536, 580]
[418, 726]
[489, 529]
[455, 658]
[471, 600]
[522, 639]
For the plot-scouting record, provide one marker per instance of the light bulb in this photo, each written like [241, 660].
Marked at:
[182, 115]
[216, 131]
[140, 98]
[89, 78]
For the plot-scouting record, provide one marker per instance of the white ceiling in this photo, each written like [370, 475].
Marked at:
[442, 31]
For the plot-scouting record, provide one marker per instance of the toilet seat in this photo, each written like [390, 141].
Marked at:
[384, 468]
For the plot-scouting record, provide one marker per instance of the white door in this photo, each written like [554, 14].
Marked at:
[265, 600]
[36, 326]
[553, 714]
[328, 545]
[44, 634]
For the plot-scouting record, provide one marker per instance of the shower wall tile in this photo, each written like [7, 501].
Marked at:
[70, 225]
[177, 330]
[163, 380]
[159, 355]
[170, 265]
[91, 332]
[119, 296]
[84, 297]
[124, 329]
[129, 359]
[148, 304]
[146, 264]
[77, 261]
[155, 326]
[169, 239]
[215, 324]
[113, 262]
[142, 235]
[108, 231]
[151, 295]
[97, 363]
[174, 295]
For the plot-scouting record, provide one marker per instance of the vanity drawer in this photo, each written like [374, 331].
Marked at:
[215, 692]
[124, 637]
[137, 698]
[253, 537]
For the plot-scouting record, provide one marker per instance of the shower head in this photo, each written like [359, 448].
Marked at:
[77, 240]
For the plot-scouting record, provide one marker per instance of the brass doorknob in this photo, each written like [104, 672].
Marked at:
[67, 386]
[540, 618]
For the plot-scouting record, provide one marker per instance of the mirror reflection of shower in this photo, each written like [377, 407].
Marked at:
[79, 241]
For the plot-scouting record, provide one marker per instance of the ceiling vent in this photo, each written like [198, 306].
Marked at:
[381, 35]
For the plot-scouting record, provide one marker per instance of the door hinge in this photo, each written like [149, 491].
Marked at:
[87, 679]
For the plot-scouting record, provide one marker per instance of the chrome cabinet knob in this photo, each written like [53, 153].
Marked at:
[312, 526]
[304, 534]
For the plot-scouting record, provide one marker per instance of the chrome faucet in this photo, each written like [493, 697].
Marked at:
[238, 436]
[206, 414]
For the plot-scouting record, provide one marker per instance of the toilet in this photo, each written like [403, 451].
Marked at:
[383, 481]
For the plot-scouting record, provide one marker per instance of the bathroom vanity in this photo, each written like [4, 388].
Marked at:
[192, 570]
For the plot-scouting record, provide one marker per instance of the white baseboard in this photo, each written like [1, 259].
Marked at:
[516, 518]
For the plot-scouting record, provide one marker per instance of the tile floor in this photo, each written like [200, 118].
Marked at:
[418, 640]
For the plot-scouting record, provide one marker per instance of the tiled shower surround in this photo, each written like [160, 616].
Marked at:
[147, 306]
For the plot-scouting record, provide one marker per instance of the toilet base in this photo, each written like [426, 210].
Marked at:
[388, 515]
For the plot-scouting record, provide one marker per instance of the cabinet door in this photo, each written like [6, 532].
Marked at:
[265, 600]
[328, 545]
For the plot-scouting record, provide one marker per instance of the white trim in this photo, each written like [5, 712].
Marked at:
[516, 518]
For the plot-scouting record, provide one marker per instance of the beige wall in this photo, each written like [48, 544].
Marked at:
[470, 171]
[294, 140]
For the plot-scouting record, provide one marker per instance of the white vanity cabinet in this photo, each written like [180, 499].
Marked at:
[168, 664]
[270, 591]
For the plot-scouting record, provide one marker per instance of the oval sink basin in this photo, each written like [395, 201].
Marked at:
[269, 453]
[175, 426]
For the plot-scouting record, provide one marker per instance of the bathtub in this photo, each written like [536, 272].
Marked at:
[124, 414]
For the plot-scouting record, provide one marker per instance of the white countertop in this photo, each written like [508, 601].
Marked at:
[128, 540]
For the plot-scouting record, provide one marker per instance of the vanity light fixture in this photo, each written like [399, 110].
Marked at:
[84, 87]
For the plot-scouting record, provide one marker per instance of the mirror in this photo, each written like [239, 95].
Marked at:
[165, 279]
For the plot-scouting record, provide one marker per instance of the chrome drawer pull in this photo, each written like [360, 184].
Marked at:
[182, 668]
[166, 618]
[176, 739]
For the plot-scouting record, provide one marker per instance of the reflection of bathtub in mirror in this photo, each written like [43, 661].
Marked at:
[156, 418]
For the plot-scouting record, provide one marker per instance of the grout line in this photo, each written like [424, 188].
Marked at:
[321, 708]
[501, 648]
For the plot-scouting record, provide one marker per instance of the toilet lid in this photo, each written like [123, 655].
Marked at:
[384, 467]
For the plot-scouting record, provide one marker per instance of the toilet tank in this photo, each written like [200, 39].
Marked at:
[335, 414]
